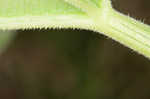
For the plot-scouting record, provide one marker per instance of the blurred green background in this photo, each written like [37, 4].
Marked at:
[75, 64]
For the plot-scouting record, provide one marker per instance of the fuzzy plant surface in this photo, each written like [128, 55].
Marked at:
[95, 15]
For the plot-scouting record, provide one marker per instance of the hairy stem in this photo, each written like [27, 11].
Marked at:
[122, 28]
[127, 31]
[96, 15]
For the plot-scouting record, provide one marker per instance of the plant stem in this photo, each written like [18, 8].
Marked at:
[128, 31]
[122, 28]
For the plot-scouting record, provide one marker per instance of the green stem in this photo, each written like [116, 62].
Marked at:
[122, 28]
[127, 31]
[96, 15]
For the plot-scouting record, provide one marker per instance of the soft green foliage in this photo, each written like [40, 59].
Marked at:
[96, 15]
[5, 38]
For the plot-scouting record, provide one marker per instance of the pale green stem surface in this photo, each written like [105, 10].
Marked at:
[96, 15]
[117, 26]
[129, 32]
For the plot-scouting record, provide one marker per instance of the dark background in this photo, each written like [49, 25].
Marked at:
[75, 64]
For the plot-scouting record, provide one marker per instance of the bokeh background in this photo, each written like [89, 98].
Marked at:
[75, 64]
